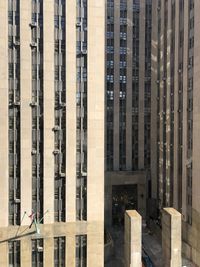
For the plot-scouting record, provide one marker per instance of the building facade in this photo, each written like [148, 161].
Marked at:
[130, 102]
[52, 138]
[176, 79]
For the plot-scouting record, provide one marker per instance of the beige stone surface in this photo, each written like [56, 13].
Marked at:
[49, 252]
[171, 237]
[70, 251]
[26, 253]
[133, 239]
[4, 260]
[71, 111]
[191, 237]
[96, 105]
[93, 230]
[4, 113]
[154, 104]
[26, 112]
[48, 66]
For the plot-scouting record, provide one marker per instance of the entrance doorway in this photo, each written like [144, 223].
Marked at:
[124, 197]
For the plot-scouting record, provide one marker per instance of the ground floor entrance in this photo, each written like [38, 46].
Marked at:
[124, 197]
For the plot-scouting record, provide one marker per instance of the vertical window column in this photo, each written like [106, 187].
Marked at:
[135, 83]
[14, 253]
[110, 83]
[81, 251]
[37, 107]
[180, 101]
[14, 110]
[172, 70]
[147, 89]
[37, 253]
[122, 80]
[59, 251]
[81, 111]
[60, 111]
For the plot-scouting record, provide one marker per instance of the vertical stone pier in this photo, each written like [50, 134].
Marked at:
[133, 239]
[171, 237]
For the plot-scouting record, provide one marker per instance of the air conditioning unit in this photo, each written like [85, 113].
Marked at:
[84, 52]
[17, 43]
[56, 128]
[17, 200]
[39, 249]
[33, 104]
[33, 152]
[62, 104]
[33, 44]
[16, 103]
[33, 24]
[78, 24]
[84, 174]
[56, 151]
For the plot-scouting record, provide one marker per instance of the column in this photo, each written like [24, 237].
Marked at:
[133, 239]
[95, 246]
[26, 132]
[48, 71]
[176, 190]
[168, 107]
[4, 260]
[70, 251]
[26, 252]
[71, 110]
[4, 112]
[185, 115]
[171, 237]
[96, 104]
[154, 93]
[48, 252]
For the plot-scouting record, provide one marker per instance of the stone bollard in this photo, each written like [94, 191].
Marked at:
[133, 239]
[171, 238]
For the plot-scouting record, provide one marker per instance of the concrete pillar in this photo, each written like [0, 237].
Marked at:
[171, 237]
[133, 239]
[25, 252]
[49, 252]
[70, 252]
[48, 105]
[4, 261]
[4, 195]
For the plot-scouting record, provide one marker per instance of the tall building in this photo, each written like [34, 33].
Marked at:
[52, 132]
[131, 114]
[177, 80]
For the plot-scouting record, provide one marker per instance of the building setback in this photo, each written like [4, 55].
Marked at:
[52, 128]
